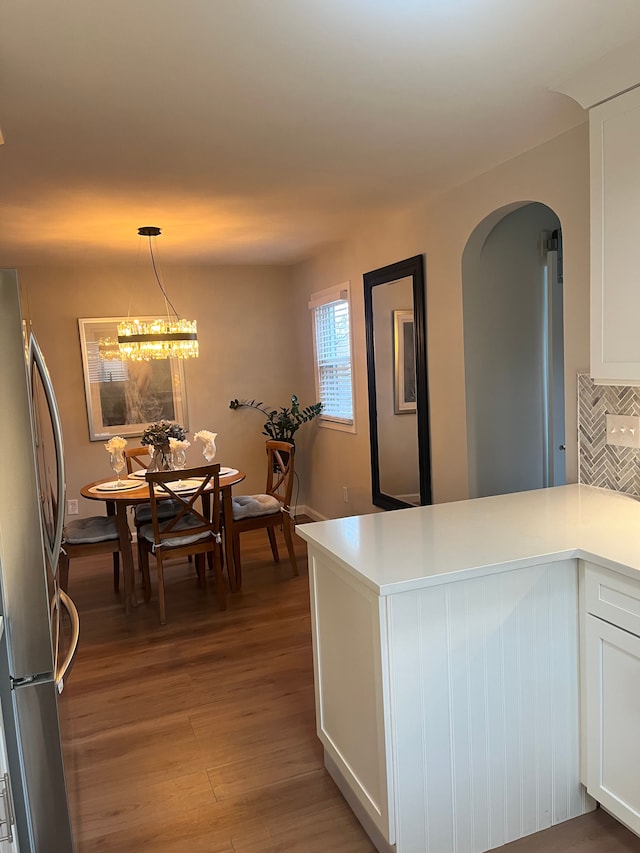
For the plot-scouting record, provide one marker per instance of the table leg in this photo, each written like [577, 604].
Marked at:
[130, 599]
[227, 510]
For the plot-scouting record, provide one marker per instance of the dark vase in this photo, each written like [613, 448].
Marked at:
[160, 459]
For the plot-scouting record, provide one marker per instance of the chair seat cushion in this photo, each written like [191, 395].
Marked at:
[166, 509]
[88, 531]
[184, 524]
[253, 506]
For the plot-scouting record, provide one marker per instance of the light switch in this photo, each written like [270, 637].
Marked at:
[623, 430]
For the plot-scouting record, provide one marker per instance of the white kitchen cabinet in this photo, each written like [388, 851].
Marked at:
[611, 671]
[449, 714]
[458, 687]
[615, 239]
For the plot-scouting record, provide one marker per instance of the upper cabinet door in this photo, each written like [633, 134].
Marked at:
[615, 239]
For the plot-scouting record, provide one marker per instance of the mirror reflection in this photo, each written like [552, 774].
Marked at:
[394, 354]
[397, 379]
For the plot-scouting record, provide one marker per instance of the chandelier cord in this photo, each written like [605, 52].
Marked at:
[147, 339]
[163, 291]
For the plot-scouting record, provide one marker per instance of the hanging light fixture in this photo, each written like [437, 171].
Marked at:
[109, 349]
[170, 337]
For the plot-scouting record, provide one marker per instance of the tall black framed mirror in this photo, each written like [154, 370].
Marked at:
[396, 340]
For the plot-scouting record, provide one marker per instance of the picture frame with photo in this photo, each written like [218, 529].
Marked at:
[124, 397]
[404, 354]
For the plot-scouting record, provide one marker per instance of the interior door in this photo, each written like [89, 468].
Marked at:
[556, 474]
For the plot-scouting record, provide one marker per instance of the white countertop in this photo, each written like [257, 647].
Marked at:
[423, 546]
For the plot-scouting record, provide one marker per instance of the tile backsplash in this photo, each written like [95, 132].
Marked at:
[599, 463]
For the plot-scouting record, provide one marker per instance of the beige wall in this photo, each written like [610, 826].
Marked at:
[243, 352]
[556, 174]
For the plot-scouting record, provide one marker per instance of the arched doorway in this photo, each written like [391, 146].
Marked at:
[514, 351]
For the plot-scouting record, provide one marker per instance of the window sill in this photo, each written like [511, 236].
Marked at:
[339, 426]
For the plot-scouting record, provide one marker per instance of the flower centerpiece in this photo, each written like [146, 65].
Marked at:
[178, 453]
[116, 444]
[115, 448]
[208, 438]
[157, 435]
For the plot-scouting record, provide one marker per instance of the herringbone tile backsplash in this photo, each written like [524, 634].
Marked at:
[599, 463]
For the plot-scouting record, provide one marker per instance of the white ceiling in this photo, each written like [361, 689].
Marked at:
[252, 130]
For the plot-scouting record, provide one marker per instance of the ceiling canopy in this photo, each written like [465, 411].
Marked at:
[254, 131]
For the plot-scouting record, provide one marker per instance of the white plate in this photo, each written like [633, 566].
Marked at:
[113, 486]
[185, 485]
[224, 471]
[139, 474]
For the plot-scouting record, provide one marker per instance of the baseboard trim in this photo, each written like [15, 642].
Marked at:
[303, 509]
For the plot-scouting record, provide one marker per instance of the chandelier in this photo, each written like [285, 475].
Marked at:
[168, 337]
[109, 349]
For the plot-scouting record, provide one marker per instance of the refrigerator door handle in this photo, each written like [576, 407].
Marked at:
[62, 668]
[9, 819]
[36, 360]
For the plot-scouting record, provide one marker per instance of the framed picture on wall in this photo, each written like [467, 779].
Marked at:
[404, 357]
[124, 397]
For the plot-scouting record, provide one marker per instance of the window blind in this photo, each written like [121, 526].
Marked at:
[333, 360]
[112, 370]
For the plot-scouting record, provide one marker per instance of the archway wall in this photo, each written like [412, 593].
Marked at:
[555, 174]
[505, 320]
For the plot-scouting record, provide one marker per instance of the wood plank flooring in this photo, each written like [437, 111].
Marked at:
[199, 736]
[596, 832]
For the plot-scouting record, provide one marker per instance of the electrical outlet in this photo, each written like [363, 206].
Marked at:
[345, 494]
[72, 507]
[623, 430]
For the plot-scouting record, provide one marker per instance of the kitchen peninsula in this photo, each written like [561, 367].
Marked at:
[477, 664]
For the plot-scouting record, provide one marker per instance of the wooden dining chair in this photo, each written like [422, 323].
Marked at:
[87, 537]
[194, 530]
[137, 459]
[270, 510]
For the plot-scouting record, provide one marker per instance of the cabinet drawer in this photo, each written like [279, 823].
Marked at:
[613, 597]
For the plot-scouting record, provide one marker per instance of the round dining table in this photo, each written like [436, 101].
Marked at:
[117, 501]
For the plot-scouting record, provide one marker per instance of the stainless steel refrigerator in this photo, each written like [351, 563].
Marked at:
[40, 622]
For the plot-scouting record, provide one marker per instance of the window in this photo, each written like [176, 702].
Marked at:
[332, 349]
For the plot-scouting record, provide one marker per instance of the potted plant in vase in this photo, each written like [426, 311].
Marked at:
[282, 423]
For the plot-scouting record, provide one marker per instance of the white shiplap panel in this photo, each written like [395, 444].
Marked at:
[435, 734]
[485, 714]
[494, 692]
[461, 654]
[478, 721]
[411, 787]
[543, 655]
[512, 588]
[568, 799]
